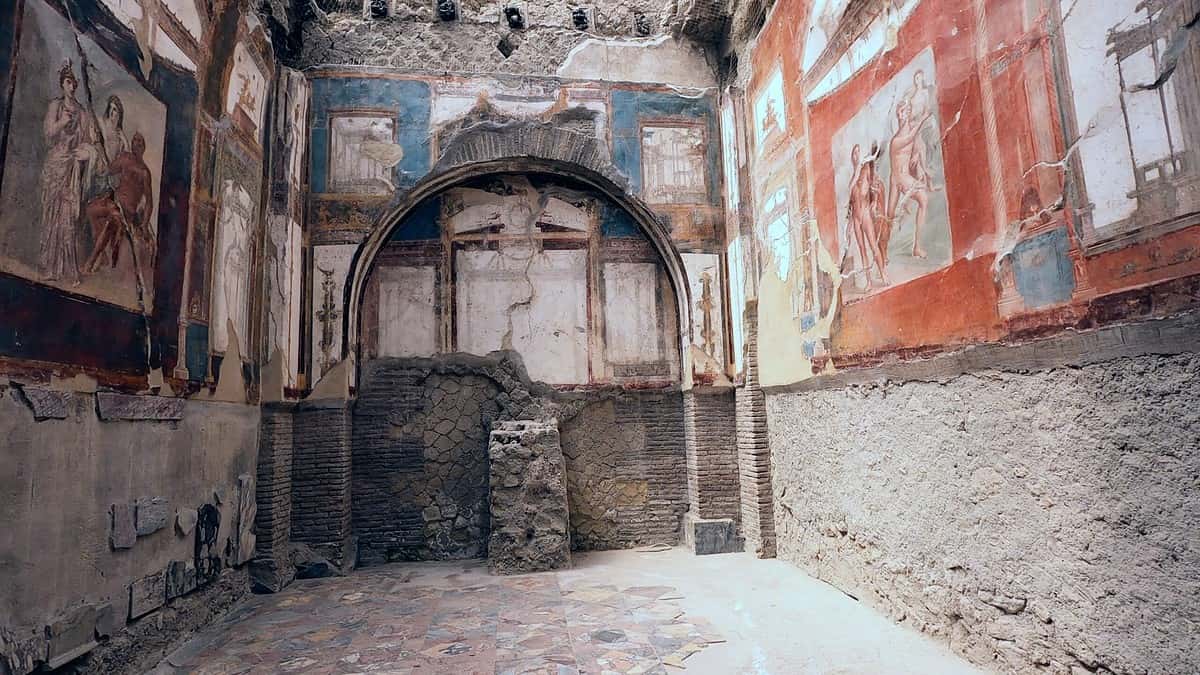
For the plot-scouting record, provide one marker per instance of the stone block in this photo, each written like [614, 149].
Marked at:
[146, 595]
[108, 620]
[706, 537]
[122, 532]
[111, 407]
[530, 529]
[181, 578]
[244, 539]
[185, 521]
[71, 636]
[268, 575]
[152, 514]
[48, 404]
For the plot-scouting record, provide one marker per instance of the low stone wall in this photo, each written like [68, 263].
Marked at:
[1040, 522]
[420, 470]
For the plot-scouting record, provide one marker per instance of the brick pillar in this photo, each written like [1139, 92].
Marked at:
[711, 447]
[754, 450]
[321, 479]
[271, 570]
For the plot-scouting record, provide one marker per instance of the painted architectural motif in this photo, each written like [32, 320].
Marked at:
[535, 265]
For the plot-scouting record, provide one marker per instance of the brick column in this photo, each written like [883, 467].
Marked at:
[321, 479]
[711, 447]
[754, 450]
[271, 570]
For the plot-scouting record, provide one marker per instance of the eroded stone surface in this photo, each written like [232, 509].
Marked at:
[530, 530]
[48, 404]
[112, 406]
[146, 595]
[122, 526]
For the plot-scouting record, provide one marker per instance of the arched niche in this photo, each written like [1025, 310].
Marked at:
[520, 148]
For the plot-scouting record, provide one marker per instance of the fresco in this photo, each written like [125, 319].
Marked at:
[843, 37]
[893, 221]
[942, 177]
[1135, 138]
[673, 164]
[631, 331]
[372, 136]
[246, 92]
[708, 316]
[283, 274]
[770, 114]
[363, 153]
[331, 265]
[80, 201]
[239, 184]
[540, 265]
[407, 102]
[408, 320]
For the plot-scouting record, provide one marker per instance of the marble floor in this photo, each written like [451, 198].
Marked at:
[613, 612]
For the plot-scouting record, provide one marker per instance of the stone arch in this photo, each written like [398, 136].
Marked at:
[520, 147]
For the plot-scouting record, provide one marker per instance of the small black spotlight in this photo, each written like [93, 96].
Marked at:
[513, 16]
[379, 9]
[447, 10]
[641, 24]
[580, 16]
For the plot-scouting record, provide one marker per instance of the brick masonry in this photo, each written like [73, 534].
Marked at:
[711, 444]
[754, 451]
[273, 523]
[420, 463]
[626, 471]
[321, 479]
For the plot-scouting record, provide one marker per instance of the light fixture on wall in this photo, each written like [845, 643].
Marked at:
[579, 17]
[642, 25]
[378, 8]
[513, 15]
[447, 10]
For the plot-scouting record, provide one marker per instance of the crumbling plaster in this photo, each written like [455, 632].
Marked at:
[1040, 521]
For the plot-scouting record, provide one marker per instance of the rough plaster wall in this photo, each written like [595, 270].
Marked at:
[1037, 521]
[413, 39]
[59, 478]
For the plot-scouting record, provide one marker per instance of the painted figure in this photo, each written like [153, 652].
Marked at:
[909, 179]
[69, 144]
[864, 214]
[112, 127]
[125, 206]
[236, 215]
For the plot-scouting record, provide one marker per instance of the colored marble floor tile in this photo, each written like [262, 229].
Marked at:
[428, 618]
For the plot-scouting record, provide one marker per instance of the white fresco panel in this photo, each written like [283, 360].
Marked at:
[533, 302]
[673, 165]
[631, 321]
[407, 320]
[331, 267]
[735, 260]
[708, 321]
